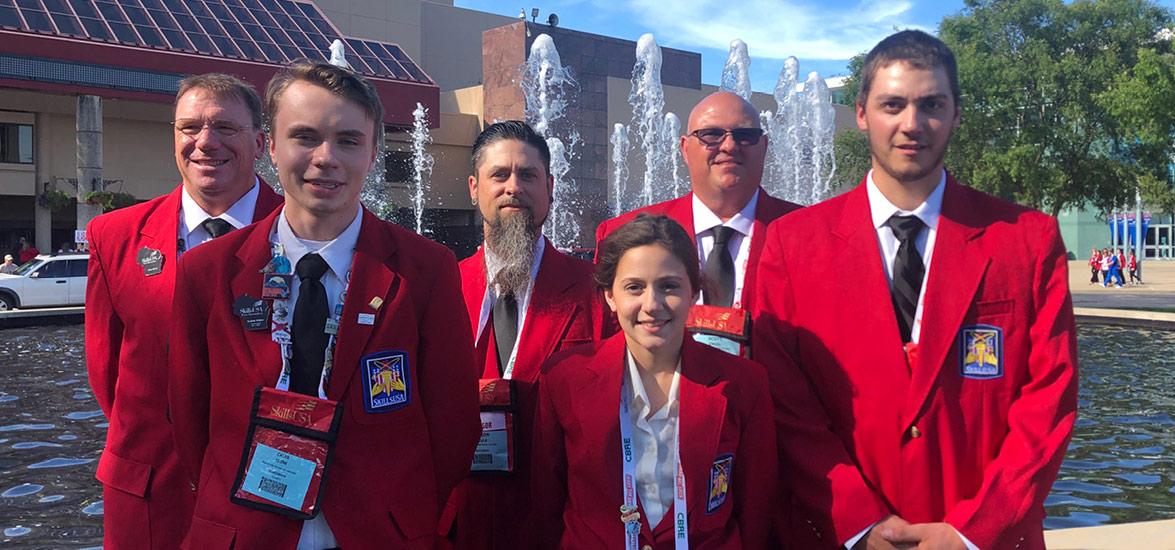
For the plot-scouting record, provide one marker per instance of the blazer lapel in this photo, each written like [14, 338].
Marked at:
[251, 258]
[682, 211]
[547, 317]
[958, 264]
[866, 302]
[599, 406]
[473, 286]
[758, 239]
[160, 231]
[370, 277]
[701, 413]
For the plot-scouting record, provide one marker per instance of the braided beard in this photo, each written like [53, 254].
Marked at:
[512, 240]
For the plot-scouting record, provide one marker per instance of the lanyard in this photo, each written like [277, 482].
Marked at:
[280, 333]
[628, 512]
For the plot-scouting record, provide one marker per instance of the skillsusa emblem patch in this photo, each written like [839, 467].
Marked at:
[720, 473]
[385, 376]
[981, 352]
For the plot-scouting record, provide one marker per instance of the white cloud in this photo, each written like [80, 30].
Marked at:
[774, 29]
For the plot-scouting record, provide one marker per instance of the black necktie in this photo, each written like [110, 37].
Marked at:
[216, 227]
[907, 271]
[309, 332]
[720, 270]
[505, 328]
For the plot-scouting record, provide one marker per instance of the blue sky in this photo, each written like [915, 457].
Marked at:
[822, 34]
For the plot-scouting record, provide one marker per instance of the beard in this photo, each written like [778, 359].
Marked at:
[512, 240]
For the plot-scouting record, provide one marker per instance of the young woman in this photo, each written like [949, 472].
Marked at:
[1095, 265]
[649, 439]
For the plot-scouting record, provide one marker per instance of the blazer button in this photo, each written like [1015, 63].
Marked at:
[192, 485]
[915, 432]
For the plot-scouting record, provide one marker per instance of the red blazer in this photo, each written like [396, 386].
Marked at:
[931, 444]
[565, 310]
[681, 210]
[391, 472]
[725, 410]
[147, 500]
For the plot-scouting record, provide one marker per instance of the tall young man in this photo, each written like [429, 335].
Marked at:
[323, 393]
[934, 323]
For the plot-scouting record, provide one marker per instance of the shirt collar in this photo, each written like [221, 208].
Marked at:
[743, 221]
[881, 209]
[239, 214]
[337, 252]
[640, 398]
[494, 264]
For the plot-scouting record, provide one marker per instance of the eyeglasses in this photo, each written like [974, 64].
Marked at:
[713, 137]
[191, 127]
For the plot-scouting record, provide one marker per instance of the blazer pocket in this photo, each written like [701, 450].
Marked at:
[568, 343]
[124, 474]
[413, 520]
[209, 535]
[994, 308]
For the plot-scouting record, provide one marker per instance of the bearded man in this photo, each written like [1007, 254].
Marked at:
[526, 300]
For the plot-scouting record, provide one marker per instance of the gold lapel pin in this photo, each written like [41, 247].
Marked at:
[376, 302]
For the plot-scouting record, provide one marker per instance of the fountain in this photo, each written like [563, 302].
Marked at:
[620, 150]
[649, 121]
[800, 160]
[548, 88]
[422, 163]
[672, 132]
[736, 75]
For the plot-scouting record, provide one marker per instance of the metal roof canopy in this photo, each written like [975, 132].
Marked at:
[249, 38]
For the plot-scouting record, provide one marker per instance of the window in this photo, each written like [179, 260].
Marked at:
[398, 166]
[77, 268]
[16, 143]
[53, 270]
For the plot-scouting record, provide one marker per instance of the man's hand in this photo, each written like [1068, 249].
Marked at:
[923, 536]
[874, 540]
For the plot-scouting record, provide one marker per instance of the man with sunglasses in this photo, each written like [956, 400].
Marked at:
[724, 148]
[133, 256]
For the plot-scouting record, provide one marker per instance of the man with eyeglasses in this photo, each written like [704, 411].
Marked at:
[147, 501]
[724, 149]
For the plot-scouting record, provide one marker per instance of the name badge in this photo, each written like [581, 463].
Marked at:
[495, 449]
[151, 260]
[254, 313]
[288, 447]
[724, 328]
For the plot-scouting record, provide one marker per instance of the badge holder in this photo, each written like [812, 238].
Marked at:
[725, 328]
[495, 450]
[287, 453]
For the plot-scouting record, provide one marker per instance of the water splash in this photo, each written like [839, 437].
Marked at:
[549, 88]
[620, 151]
[671, 132]
[647, 98]
[800, 159]
[821, 131]
[422, 163]
[736, 73]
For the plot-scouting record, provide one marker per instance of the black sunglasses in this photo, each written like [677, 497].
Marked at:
[712, 137]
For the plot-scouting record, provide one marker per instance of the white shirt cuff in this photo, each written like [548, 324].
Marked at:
[853, 541]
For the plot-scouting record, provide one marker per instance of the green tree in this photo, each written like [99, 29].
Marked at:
[1042, 112]
[852, 159]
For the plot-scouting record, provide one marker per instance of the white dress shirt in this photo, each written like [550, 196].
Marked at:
[653, 438]
[240, 214]
[740, 243]
[492, 266]
[880, 210]
[338, 254]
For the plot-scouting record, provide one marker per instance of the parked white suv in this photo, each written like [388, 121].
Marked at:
[46, 281]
